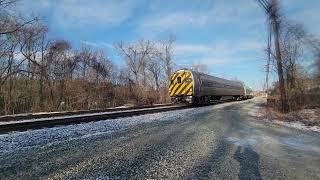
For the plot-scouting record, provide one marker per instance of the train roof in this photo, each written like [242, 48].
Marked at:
[203, 74]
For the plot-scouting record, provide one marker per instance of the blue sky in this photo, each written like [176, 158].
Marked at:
[227, 36]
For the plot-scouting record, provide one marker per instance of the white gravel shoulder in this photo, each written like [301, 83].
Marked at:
[28, 139]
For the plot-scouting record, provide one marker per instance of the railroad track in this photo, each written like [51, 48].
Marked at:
[70, 113]
[38, 121]
[47, 122]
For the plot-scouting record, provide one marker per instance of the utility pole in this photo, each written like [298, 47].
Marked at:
[283, 96]
[269, 59]
[271, 8]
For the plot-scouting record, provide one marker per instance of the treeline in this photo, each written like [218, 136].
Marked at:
[300, 56]
[294, 55]
[39, 74]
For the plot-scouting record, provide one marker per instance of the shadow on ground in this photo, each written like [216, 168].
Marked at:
[249, 162]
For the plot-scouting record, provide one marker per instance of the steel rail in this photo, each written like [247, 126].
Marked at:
[25, 125]
[19, 117]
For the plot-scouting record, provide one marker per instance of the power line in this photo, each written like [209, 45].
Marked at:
[265, 5]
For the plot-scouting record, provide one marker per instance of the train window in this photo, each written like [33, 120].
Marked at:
[188, 80]
[179, 80]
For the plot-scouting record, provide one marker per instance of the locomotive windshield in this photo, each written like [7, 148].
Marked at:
[179, 80]
[188, 80]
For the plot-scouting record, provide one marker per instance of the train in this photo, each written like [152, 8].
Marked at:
[193, 87]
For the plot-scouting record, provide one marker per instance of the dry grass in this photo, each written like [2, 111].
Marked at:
[309, 117]
[303, 108]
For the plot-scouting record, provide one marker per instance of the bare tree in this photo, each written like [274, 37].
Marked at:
[317, 62]
[8, 22]
[165, 54]
[38, 74]
[9, 65]
[136, 55]
[103, 67]
[154, 66]
[294, 41]
[315, 45]
[291, 50]
[317, 68]
[6, 3]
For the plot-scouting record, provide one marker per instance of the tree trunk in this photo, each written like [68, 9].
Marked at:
[41, 92]
[283, 96]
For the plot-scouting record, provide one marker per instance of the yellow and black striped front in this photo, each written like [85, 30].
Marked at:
[181, 83]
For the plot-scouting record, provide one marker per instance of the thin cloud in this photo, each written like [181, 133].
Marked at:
[83, 13]
[97, 45]
[219, 13]
[220, 53]
[182, 49]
